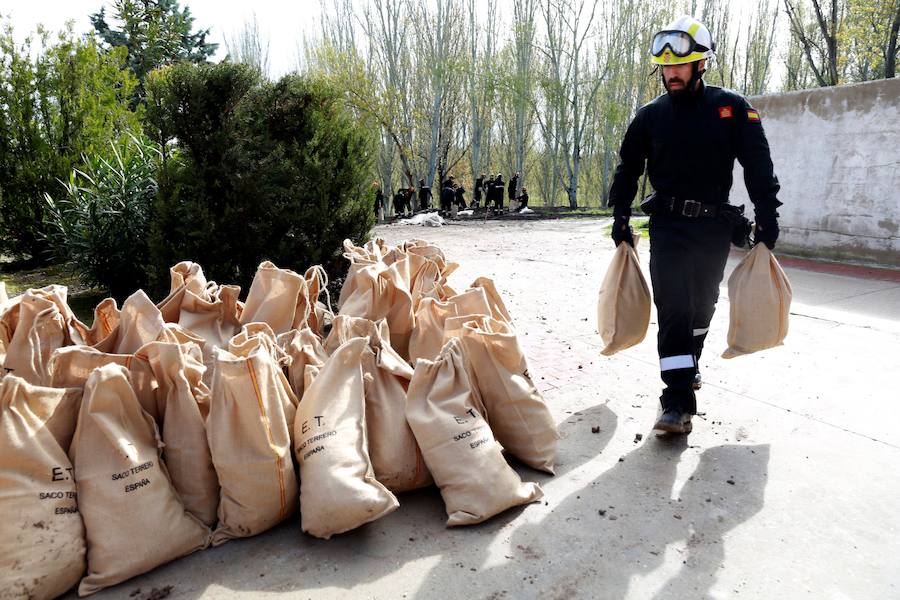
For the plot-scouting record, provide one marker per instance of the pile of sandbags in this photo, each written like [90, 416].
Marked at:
[165, 428]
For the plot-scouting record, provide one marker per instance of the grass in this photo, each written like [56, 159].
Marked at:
[82, 298]
[639, 224]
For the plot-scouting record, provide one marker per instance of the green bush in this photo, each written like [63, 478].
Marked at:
[260, 170]
[59, 101]
[101, 223]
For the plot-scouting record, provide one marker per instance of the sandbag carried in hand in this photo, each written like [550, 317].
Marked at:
[760, 296]
[184, 405]
[132, 515]
[248, 428]
[396, 458]
[338, 489]
[623, 305]
[459, 448]
[42, 547]
[519, 417]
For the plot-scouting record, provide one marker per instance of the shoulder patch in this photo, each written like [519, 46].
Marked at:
[752, 114]
[725, 112]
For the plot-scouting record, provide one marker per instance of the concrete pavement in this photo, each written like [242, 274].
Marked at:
[787, 488]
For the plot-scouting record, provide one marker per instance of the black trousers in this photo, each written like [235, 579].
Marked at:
[687, 262]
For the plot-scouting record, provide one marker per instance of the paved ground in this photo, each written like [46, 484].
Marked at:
[788, 487]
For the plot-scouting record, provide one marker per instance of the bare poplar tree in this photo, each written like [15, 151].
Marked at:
[248, 47]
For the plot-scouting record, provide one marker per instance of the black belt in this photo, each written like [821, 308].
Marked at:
[690, 208]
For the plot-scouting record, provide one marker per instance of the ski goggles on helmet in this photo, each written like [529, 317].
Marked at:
[679, 42]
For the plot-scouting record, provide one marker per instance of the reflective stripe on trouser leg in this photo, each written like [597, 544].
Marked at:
[687, 260]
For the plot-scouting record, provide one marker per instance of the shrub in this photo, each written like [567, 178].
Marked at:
[263, 170]
[59, 101]
[101, 223]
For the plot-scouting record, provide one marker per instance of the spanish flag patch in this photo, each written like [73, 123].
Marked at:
[752, 115]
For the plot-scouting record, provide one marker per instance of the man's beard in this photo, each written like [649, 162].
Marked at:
[677, 93]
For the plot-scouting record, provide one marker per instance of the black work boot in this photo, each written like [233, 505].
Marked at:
[673, 420]
[678, 406]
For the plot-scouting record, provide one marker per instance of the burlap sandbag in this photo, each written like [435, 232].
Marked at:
[304, 348]
[71, 367]
[185, 276]
[760, 296]
[212, 315]
[184, 405]
[42, 547]
[4, 304]
[140, 323]
[338, 489]
[395, 456]
[473, 301]
[453, 328]
[427, 337]
[277, 297]
[359, 258]
[623, 304]
[498, 308]
[132, 515]
[466, 461]
[381, 293]
[260, 334]
[33, 327]
[250, 441]
[320, 313]
[520, 419]
[102, 334]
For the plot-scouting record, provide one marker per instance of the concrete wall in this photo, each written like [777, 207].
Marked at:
[837, 155]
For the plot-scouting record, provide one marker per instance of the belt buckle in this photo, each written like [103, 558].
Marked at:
[691, 208]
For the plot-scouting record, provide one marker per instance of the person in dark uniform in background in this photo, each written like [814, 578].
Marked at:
[476, 194]
[447, 195]
[689, 138]
[513, 187]
[424, 195]
[410, 198]
[379, 199]
[523, 199]
[498, 193]
[399, 202]
[459, 197]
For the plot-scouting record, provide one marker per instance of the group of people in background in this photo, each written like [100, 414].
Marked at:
[488, 189]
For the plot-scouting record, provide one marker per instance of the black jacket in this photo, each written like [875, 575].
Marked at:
[690, 145]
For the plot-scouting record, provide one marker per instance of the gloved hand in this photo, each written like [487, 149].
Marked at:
[766, 230]
[621, 231]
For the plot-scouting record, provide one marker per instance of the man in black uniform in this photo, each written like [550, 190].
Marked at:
[479, 184]
[379, 200]
[398, 202]
[497, 191]
[689, 138]
[513, 187]
[448, 193]
[424, 195]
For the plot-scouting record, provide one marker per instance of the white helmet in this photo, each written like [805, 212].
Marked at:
[684, 40]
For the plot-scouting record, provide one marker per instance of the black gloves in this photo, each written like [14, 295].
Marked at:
[621, 231]
[766, 231]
